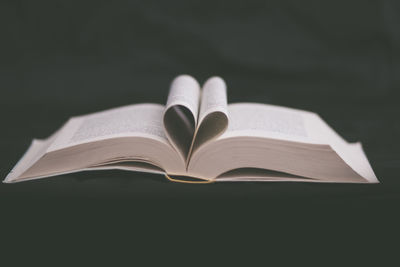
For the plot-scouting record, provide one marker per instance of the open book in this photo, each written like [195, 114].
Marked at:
[198, 137]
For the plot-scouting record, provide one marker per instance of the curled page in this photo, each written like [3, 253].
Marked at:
[213, 115]
[181, 112]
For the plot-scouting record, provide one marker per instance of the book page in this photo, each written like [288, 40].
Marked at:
[268, 121]
[132, 120]
[213, 115]
[213, 98]
[252, 119]
[184, 91]
[181, 112]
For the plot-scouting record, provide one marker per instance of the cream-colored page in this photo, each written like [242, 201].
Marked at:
[181, 112]
[213, 98]
[184, 91]
[35, 151]
[252, 119]
[133, 120]
[141, 120]
[213, 114]
[303, 127]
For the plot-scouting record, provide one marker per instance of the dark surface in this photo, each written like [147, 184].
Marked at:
[64, 58]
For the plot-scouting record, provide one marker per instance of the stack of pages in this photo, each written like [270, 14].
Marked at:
[197, 137]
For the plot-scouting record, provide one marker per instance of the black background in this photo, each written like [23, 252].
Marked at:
[64, 58]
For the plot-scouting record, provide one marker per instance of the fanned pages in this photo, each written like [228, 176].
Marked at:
[197, 135]
[213, 115]
[180, 116]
